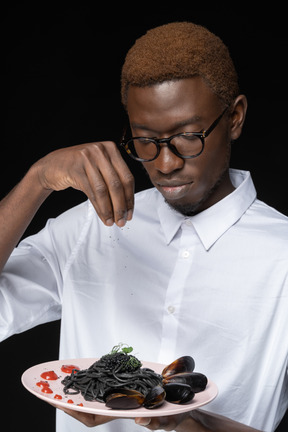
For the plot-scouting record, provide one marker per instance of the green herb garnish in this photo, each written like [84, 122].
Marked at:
[124, 350]
[120, 359]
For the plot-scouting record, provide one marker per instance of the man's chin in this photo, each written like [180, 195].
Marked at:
[192, 208]
[188, 209]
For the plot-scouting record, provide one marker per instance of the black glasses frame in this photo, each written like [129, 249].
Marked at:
[158, 141]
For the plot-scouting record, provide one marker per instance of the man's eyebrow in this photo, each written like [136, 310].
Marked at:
[191, 121]
[178, 124]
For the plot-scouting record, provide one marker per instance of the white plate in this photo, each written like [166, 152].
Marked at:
[33, 375]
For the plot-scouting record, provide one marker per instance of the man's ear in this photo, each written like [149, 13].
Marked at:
[238, 114]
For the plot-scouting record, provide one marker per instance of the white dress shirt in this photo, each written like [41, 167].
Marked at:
[213, 286]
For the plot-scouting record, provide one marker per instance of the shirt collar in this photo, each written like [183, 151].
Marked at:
[212, 223]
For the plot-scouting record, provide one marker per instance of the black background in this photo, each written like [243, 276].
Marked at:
[61, 87]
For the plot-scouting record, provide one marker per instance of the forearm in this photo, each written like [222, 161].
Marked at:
[17, 210]
[97, 169]
[194, 421]
[207, 421]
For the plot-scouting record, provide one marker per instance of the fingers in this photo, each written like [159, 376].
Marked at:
[167, 423]
[110, 184]
[127, 180]
[145, 421]
[156, 423]
[89, 420]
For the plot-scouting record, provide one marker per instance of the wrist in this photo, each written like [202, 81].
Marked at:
[191, 424]
[217, 423]
[32, 179]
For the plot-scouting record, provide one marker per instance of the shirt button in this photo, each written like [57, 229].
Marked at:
[188, 222]
[171, 309]
[185, 254]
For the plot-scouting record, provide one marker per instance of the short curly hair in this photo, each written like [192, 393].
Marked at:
[177, 51]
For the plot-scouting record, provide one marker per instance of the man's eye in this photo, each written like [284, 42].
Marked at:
[190, 137]
[144, 140]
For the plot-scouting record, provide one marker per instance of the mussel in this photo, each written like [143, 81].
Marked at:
[196, 380]
[178, 393]
[182, 364]
[123, 398]
[155, 397]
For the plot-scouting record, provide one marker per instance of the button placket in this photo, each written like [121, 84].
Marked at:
[175, 291]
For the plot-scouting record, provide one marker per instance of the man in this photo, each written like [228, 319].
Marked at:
[197, 267]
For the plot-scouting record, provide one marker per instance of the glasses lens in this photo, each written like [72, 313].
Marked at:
[187, 144]
[142, 148]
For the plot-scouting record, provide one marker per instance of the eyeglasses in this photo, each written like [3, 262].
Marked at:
[186, 145]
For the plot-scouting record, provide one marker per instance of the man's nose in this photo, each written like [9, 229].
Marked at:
[167, 161]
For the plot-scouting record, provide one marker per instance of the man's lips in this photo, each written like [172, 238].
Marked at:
[173, 190]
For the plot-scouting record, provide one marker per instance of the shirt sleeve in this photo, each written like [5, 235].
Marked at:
[31, 283]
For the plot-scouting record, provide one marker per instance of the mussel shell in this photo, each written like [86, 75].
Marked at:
[155, 397]
[178, 393]
[196, 380]
[123, 398]
[182, 364]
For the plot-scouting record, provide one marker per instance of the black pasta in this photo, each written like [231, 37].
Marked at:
[103, 375]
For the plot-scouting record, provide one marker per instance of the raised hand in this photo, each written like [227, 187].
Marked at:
[98, 170]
